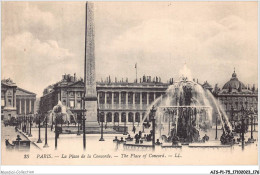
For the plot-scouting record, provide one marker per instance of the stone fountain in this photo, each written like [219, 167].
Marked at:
[185, 110]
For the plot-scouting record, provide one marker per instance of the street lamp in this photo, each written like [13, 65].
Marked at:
[255, 112]
[24, 124]
[124, 124]
[153, 111]
[51, 121]
[56, 131]
[27, 125]
[102, 120]
[78, 120]
[20, 122]
[57, 112]
[243, 126]
[216, 127]
[46, 144]
[39, 125]
[30, 123]
[169, 123]
[250, 113]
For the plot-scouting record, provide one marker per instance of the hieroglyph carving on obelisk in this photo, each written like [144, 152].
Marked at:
[90, 80]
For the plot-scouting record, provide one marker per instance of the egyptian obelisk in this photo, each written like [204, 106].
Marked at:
[89, 71]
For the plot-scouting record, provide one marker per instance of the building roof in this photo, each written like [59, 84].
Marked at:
[21, 91]
[8, 82]
[234, 83]
[207, 85]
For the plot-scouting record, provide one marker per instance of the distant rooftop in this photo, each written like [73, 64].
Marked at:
[8, 82]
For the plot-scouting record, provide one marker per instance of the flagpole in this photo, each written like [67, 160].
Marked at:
[136, 72]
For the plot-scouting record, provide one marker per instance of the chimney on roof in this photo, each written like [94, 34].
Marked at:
[109, 79]
[75, 78]
[115, 80]
[197, 80]
[253, 89]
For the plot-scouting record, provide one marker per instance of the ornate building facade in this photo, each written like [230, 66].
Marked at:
[126, 102]
[236, 94]
[15, 100]
[118, 101]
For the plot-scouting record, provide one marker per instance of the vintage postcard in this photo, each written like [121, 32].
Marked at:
[129, 83]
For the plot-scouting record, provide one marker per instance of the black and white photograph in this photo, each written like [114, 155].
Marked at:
[129, 83]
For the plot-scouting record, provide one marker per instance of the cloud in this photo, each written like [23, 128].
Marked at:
[23, 17]
[166, 44]
[28, 59]
[43, 40]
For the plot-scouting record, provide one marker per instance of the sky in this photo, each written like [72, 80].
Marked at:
[41, 41]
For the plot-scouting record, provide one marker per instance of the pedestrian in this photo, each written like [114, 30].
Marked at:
[18, 138]
[134, 129]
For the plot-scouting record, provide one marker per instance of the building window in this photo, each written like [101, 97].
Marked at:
[78, 104]
[137, 98]
[9, 102]
[64, 102]
[71, 103]
[2, 102]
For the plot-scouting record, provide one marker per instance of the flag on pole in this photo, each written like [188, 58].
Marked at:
[136, 72]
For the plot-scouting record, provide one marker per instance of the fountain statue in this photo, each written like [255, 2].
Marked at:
[186, 110]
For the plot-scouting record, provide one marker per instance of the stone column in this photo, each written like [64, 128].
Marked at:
[112, 116]
[67, 101]
[126, 117]
[141, 100]
[25, 110]
[105, 100]
[154, 96]
[59, 98]
[119, 119]
[134, 100]
[6, 101]
[126, 99]
[30, 105]
[14, 98]
[112, 100]
[20, 106]
[119, 103]
[147, 99]
[75, 99]
[98, 97]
